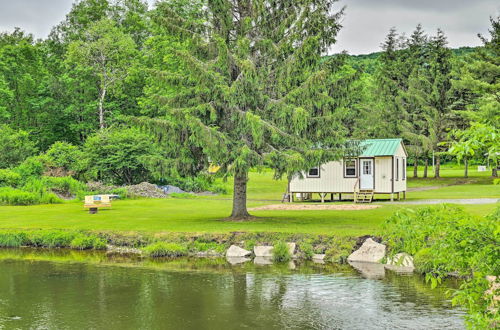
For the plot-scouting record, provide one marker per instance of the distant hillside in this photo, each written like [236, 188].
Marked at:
[369, 61]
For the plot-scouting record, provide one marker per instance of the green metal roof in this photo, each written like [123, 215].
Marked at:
[379, 147]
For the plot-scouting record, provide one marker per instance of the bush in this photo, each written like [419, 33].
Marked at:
[281, 252]
[163, 249]
[32, 167]
[119, 156]
[65, 185]
[83, 242]
[445, 239]
[11, 196]
[64, 156]
[9, 178]
[307, 250]
[51, 239]
[198, 246]
[12, 239]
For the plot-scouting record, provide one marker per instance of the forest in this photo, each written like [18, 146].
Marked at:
[121, 93]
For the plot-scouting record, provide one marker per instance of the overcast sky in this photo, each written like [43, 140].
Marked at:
[365, 24]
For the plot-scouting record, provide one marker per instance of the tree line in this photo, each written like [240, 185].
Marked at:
[240, 84]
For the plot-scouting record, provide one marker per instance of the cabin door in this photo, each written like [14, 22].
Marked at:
[366, 176]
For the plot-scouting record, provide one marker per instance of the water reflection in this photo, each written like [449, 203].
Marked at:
[70, 290]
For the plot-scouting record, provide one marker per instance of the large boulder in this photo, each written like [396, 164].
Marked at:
[370, 251]
[237, 252]
[263, 251]
[291, 248]
[319, 258]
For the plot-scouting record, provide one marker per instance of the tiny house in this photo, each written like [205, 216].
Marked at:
[380, 168]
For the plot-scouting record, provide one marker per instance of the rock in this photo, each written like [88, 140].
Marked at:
[370, 251]
[494, 288]
[263, 251]
[169, 189]
[291, 248]
[401, 263]
[369, 270]
[263, 261]
[237, 260]
[292, 265]
[112, 249]
[236, 251]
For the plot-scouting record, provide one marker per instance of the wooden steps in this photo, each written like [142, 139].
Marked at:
[363, 196]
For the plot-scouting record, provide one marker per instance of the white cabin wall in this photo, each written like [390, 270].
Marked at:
[400, 185]
[331, 180]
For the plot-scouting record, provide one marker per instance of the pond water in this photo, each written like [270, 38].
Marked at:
[70, 290]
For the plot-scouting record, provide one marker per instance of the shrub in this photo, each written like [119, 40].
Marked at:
[119, 155]
[307, 250]
[446, 239]
[11, 196]
[164, 249]
[65, 185]
[65, 156]
[281, 252]
[198, 246]
[9, 178]
[51, 239]
[12, 239]
[84, 242]
[32, 167]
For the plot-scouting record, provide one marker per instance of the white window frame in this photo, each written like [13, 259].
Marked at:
[355, 175]
[314, 176]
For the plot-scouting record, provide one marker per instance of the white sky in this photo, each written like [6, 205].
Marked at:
[366, 22]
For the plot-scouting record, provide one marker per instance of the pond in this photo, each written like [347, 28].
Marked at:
[61, 289]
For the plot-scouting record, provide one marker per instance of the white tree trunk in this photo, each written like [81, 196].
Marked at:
[102, 96]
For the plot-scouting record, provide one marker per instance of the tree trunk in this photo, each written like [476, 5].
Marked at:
[466, 172]
[494, 172]
[240, 197]
[102, 96]
[438, 167]
[426, 167]
[415, 168]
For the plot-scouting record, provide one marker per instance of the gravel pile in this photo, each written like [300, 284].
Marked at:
[146, 189]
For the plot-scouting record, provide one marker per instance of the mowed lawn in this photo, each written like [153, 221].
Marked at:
[207, 214]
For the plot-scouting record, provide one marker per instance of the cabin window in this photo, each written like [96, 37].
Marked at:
[397, 169]
[404, 168]
[313, 172]
[350, 168]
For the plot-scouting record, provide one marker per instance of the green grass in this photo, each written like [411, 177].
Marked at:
[207, 214]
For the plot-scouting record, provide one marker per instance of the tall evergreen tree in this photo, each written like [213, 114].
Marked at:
[253, 88]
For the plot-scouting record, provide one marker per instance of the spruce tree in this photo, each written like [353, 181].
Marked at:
[252, 87]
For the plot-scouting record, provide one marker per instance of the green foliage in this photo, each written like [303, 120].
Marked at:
[163, 249]
[15, 146]
[444, 239]
[11, 196]
[281, 252]
[119, 156]
[85, 242]
[64, 156]
[12, 239]
[307, 250]
[9, 178]
[33, 167]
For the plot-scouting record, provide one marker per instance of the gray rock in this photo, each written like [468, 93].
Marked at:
[291, 248]
[263, 251]
[369, 270]
[237, 260]
[320, 257]
[236, 251]
[370, 251]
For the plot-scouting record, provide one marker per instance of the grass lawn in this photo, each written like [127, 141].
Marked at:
[206, 214]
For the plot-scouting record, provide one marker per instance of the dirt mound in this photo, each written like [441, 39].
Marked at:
[313, 207]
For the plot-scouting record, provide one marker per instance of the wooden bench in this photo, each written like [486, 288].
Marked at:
[95, 202]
